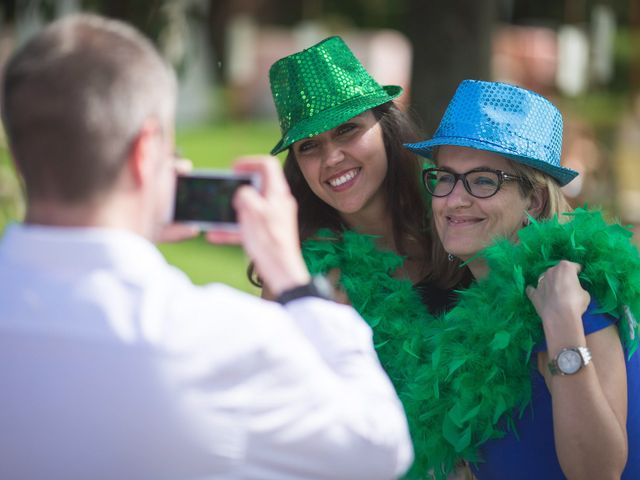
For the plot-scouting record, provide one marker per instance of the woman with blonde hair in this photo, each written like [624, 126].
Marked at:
[531, 374]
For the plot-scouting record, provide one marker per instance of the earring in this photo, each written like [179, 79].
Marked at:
[451, 257]
[526, 220]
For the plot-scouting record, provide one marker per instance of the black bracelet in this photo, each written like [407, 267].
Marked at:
[318, 287]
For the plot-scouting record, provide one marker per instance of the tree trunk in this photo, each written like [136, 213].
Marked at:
[451, 42]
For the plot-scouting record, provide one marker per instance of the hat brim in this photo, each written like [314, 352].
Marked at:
[562, 175]
[334, 116]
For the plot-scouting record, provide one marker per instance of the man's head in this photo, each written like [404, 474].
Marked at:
[76, 98]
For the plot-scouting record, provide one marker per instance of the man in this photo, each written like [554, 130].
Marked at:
[112, 364]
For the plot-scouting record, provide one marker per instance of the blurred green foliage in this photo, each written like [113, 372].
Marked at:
[215, 145]
[11, 203]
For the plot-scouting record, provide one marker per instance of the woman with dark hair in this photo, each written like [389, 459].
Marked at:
[346, 164]
[406, 222]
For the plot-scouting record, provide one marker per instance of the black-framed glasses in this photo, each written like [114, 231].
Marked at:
[479, 182]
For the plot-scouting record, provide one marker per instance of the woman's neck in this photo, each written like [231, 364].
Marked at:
[379, 223]
[479, 268]
[373, 221]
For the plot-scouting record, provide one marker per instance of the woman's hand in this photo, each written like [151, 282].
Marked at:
[560, 302]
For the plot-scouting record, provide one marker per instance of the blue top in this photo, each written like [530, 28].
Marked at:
[532, 454]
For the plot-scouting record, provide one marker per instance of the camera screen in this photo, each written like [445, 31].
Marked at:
[206, 199]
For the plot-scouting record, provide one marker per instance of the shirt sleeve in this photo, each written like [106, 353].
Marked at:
[592, 321]
[306, 388]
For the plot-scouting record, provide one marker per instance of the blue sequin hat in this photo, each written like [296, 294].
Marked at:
[320, 88]
[505, 119]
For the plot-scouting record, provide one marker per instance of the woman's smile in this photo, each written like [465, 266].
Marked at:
[343, 180]
[462, 221]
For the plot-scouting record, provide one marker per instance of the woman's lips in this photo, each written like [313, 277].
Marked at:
[462, 221]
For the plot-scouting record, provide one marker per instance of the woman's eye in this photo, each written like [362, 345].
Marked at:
[305, 147]
[345, 128]
[485, 180]
[445, 178]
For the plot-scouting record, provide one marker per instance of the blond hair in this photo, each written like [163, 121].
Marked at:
[536, 180]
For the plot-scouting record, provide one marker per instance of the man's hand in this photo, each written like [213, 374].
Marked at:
[268, 226]
[177, 232]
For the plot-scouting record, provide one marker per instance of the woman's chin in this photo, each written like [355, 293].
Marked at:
[464, 247]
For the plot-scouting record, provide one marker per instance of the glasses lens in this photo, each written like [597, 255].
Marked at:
[483, 184]
[439, 183]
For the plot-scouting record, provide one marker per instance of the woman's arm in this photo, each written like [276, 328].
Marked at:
[589, 407]
[590, 410]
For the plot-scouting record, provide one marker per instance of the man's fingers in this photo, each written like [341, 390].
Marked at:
[245, 198]
[177, 232]
[270, 171]
[223, 237]
[183, 166]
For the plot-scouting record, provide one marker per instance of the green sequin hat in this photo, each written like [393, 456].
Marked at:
[321, 87]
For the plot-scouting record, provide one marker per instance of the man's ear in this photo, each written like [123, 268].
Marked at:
[143, 151]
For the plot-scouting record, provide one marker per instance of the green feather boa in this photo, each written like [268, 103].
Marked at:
[465, 377]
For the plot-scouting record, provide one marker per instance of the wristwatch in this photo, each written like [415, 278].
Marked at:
[570, 361]
[319, 287]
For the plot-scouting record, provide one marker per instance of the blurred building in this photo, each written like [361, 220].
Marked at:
[627, 166]
[252, 49]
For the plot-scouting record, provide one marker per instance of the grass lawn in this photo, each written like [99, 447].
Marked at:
[215, 146]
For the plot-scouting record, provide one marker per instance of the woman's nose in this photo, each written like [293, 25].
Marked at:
[333, 154]
[459, 195]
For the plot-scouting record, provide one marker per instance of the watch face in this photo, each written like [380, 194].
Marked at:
[324, 286]
[569, 361]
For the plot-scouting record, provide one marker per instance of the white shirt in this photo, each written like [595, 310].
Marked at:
[114, 365]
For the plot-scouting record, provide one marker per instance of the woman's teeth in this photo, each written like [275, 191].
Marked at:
[342, 179]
